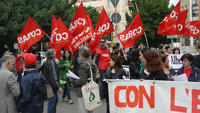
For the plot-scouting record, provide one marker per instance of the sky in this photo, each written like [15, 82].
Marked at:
[173, 2]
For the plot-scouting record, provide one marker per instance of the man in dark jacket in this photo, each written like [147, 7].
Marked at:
[193, 73]
[50, 71]
[84, 74]
[32, 87]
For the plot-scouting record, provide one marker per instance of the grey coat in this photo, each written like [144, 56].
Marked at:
[84, 74]
[9, 89]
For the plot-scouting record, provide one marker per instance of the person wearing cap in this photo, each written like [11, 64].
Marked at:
[50, 70]
[9, 87]
[32, 85]
[102, 60]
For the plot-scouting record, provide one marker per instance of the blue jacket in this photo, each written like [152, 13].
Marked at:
[33, 91]
[194, 75]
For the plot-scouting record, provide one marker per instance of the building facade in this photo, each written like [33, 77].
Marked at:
[122, 9]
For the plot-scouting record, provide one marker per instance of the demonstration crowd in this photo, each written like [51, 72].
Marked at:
[26, 78]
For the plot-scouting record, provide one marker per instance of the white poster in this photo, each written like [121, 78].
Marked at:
[132, 96]
[175, 61]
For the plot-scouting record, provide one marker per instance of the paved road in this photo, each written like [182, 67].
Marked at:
[64, 107]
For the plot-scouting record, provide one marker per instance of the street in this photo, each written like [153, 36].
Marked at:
[64, 107]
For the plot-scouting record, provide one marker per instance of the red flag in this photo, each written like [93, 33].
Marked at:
[177, 28]
[169, 21]
[79, 29]
[30, 34]
[90, 22]
[103, 27]
[192, 29]
[82, 37]
[182, 16]
[54, 28]
[132, 33]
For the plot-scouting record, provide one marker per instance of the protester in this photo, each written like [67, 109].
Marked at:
[154, 66]
[143, 70]
[120, 54]
[84, 74]
[102, 59]
[114, 49]
[134, 67]
[4, 51]
[116, 71]
[50, 71]
[9, 89]
[176, 51]
[169, 71]
[32, 87]
[168, 50]
[19, 66]
[192, 72]
[141, 47]
[64, 67]
[198, 50]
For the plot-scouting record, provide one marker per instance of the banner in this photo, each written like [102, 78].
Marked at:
[132, 33]
[103, 27]
[132, 96]
[175, 61]
[30, 34]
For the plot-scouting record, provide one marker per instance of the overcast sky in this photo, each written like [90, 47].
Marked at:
[173, 2]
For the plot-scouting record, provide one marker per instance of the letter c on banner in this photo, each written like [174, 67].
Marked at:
[117, 91]
[58, 37]
[38, 32]
[65, 36]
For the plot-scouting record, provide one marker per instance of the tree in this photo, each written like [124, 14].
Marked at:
[152, 12]
[15, 13]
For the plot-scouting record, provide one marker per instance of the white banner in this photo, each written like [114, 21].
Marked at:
[131, 96]
[175, 61]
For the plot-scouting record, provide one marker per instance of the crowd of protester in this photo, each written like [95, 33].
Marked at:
[25, 77]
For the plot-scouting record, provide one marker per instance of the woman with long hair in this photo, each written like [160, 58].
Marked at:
[169, 71]
[154, 66]
[116, 71]
[64, 66]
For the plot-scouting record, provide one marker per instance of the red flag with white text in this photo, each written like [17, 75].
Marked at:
[192, 29]
[54, 28]
[103, 27]
[79, 29]
[169, 21]
[132, 33]
[30, 34]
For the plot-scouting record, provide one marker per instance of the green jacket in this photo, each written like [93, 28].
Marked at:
[63, 69]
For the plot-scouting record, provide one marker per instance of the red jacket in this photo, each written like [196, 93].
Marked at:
[19, 65]
[103, 58]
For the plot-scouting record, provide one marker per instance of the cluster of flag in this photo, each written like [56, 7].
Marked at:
[79, 32]
[174, 24]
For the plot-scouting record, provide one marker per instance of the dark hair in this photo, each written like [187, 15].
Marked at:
[85, 52]
[30, 66]
[154, 63]
[167, 47]
[116, 52]
[64, 57]
[135, 55]
[114, 48]
[163, 57]
[187, 56]
[117, 45]
[117, 60]
[198, 47]
[173, 51]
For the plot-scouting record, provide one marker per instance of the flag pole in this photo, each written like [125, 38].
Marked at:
[145, 35]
